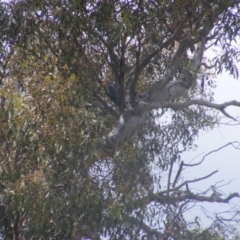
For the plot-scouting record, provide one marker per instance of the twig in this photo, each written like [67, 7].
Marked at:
[216, 150]
[196, 180]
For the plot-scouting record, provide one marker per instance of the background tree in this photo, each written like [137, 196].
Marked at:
[74, 164]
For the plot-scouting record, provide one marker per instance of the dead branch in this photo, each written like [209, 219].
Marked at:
[220, 107]
[216, 150]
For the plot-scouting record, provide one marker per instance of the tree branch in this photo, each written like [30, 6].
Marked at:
[163, 91]
[178, 174]
[183, 196]
[105, 105]
[195, 180]
[132, 119]
[181, 106]
[144, 227]
[216, 150]
[139, 67]
[161, 45]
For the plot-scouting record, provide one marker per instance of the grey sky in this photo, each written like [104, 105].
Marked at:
[226, 161]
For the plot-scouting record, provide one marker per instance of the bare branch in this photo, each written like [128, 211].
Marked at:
[186, 183]
[195, 180]
[229, 123]
[216, 150]
[178, 174]
[182, 196]
[181, 106]
[232, 218]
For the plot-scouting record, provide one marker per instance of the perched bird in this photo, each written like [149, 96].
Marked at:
[112, 92]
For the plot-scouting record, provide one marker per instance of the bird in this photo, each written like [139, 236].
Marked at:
[112, 92]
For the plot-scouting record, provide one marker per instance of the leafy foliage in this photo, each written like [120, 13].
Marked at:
[55, 56]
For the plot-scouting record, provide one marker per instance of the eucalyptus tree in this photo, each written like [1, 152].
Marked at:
[74, 164]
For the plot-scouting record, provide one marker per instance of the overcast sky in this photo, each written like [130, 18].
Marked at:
[226, 161]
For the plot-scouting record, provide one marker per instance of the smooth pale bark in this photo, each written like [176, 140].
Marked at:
[133, 119]
[163, 91]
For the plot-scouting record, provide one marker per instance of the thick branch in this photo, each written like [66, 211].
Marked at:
[133, 119]
[163, 199]
[178, 196]
[181, 106]
[164, 90]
